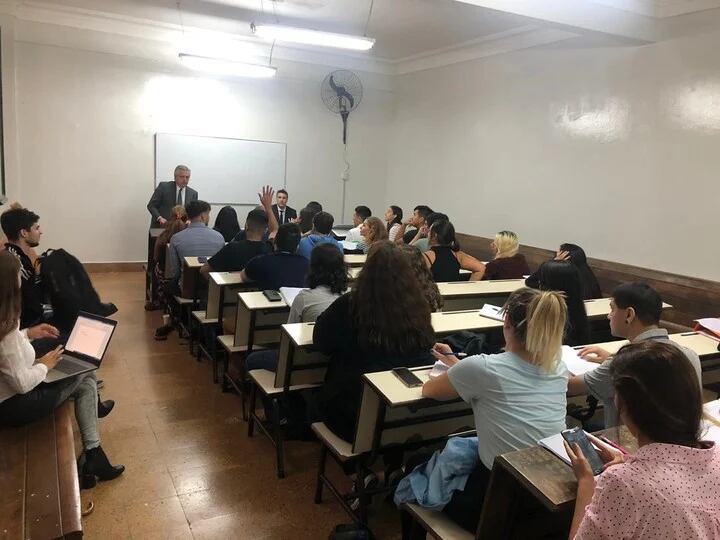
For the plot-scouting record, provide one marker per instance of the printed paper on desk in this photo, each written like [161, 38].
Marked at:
[438, 369]
[349, 246]
[289, 293]
[493, 312]
[712, 409]
[710, 432]
[575, 364]
[709, 325]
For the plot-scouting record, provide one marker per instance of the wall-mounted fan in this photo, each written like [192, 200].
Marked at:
[342, 92]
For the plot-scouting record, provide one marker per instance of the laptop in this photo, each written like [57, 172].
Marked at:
[85, 347]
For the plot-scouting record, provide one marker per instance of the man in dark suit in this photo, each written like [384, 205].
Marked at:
[169, 194]
[283, 213]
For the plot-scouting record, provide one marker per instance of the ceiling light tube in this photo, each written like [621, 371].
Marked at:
[312, 37]
[218, 66]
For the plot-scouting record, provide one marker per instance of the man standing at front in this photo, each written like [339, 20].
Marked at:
[169, 194]
[283, 213]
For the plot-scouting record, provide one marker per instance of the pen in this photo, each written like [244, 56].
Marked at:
[615, 445]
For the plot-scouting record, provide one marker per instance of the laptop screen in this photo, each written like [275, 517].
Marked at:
[90, 337]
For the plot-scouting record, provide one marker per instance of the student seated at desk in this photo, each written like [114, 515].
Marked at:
[422, 272]
[226, 223]
[508, 263]
[517, 397]
[565, 278]
[670, 487]
[575, 255]
[173, 226]
[415, 223]
[421, 240]
[373, 230]
[393, 221]
[327, 280]
[25, 398]
[384, 322]
[444, 257]
[282, 268]
[306, 216]
[359, 217]
[321, 233]
[235, 255]
[197, 240]
[635, 310]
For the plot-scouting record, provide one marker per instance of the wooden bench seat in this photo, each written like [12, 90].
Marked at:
[39, 489]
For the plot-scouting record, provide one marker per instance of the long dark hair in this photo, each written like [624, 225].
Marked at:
[659, 390]
[327, 267]
[590, 285]
[398, 216]
[388, 308]
[422, 272]
[564, 277]
[226, 223]
[443, 231]
[10, 298]
[172, 227]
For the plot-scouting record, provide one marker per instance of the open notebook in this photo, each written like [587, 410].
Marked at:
[711, 432]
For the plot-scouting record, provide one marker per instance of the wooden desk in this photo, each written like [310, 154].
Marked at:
[190, 277]
[222, 292]
[258, 320]
[355, 260]
[474, 294]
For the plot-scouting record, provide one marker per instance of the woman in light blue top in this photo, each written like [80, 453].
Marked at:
[517, 397]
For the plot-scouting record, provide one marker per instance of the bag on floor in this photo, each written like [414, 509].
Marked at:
[351, 531]
[69, 289]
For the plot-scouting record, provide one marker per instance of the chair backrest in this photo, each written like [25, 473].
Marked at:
[261, 326]
[379, 426]
[298, 365]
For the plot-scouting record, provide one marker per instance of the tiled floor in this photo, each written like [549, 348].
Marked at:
[192, 472]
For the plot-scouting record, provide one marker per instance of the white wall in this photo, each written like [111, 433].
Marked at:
[617, 150]
[86, 122]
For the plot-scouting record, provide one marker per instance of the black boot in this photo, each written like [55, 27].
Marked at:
[95, 466]
[104, 407]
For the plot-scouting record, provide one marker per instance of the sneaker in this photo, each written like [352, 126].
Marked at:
[370, 482]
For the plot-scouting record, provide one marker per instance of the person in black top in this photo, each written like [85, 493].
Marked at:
[282, 268]
[576, 256]
[235, 255]
[445, 259]
[382, 324]
[23, 232]
[564, 277]
[417, 221]
[226, 223]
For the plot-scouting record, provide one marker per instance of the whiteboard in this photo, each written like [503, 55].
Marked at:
[223, 171]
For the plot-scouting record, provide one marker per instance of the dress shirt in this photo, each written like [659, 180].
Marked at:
[18, 371]
[198, 240]
[181, 191]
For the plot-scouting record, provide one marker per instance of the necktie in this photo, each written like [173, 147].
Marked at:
[282, 217]
[179, 197]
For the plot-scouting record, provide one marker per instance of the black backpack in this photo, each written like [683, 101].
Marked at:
[352, 531]
[68, 287]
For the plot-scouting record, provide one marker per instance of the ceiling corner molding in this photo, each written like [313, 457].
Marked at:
[523, 37]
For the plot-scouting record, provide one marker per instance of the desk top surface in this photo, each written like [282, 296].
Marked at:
[222, 279]
[257, 300]
[355, 259]
[300, 333]
[393, 391]
[156, 231]
[192, 262]
[479, 288]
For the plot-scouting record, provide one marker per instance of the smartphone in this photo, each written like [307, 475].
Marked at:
[577, 436]
[407, 377]
[273, 296]
[202, 259]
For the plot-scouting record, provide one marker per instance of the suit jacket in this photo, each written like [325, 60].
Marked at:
[290, 213]
[163, 199]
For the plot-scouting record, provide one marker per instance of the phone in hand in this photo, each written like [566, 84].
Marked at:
[407, 377]
[273, 296]
[577, 436]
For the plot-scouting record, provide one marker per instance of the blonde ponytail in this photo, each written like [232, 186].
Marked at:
[538, 319]
[507, 244]
[547, 314]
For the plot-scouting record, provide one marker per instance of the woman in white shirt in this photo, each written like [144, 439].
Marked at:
[517, 397]
[393, 219]
[25, 398]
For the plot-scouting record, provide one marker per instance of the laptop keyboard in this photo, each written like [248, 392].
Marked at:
[69, 367]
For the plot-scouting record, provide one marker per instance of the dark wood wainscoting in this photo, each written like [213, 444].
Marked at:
[691, 298]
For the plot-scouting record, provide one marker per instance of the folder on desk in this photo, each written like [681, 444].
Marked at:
[709, 326]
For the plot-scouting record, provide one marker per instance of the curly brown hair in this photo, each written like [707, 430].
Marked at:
[424, 275]
[388, 307]
[10, 299]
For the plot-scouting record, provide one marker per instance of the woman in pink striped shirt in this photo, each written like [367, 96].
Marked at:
[670, 488]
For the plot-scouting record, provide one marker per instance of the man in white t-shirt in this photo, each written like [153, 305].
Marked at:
[360, 215]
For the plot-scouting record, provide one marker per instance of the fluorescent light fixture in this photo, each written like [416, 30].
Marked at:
[312, 37]
[217, 66]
